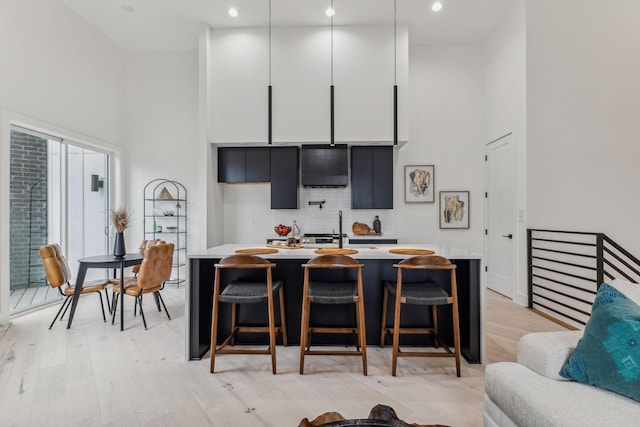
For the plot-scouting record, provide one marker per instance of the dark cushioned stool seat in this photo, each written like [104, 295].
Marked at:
[247, 292]
[333, 292]
[426, 293]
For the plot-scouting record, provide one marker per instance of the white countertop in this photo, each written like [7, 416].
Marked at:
[364, 251]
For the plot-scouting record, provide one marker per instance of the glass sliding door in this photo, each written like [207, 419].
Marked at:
[59, 194]
[29, 218]
[87, 206]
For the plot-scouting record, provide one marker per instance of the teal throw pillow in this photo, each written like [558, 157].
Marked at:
[608, 354]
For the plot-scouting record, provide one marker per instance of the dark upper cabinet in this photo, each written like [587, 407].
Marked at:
[361, 177]
[371, 177]
[231, 164]
[382, 177]
[244, 164]
[258, 164]
[285, 178]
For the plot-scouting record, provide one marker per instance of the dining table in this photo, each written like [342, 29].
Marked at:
[103, 261]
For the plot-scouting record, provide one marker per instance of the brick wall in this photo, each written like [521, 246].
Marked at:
[28, 204]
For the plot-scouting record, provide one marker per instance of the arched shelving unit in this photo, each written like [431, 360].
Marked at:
[165, 218]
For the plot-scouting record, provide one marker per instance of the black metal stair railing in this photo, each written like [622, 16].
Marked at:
[566, 268]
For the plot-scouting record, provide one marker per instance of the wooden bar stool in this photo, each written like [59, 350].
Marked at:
[348, 292]
[247, 292]
[426, 294]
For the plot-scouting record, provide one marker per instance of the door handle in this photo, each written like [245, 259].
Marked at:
[510, 236]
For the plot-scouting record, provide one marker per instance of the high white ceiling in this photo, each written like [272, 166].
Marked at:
[161, 25]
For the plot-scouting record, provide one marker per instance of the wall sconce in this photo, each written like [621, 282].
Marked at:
[96, 183]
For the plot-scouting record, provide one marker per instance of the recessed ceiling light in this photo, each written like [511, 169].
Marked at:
[233, 12]
[330, 12]
[436, 6]
[127, 8]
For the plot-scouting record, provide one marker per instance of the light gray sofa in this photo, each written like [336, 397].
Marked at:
[531, 392]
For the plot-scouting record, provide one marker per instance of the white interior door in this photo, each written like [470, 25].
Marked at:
[501, 214]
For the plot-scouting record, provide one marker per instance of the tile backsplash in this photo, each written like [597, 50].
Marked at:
[313, 219]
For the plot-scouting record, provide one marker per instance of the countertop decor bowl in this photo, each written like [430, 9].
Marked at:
[282, 230]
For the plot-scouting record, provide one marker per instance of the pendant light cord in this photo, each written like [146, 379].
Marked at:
[395, 44]
[332, 42]
[332, 140]
[269, 91]
[395, 75]
[269, 42]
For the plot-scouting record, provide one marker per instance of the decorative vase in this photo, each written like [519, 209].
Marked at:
[118, 248]
[377, 226]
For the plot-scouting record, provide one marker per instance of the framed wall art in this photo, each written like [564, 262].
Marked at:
[419, 184]
[454, 209]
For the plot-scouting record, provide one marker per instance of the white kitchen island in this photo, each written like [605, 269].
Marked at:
[378, 262]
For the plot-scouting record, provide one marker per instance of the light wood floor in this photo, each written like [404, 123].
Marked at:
[94, 375]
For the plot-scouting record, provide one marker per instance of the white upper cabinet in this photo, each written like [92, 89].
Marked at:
[363, 77]
[238, 68]
[301, 74]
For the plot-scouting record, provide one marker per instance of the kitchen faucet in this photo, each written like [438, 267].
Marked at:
[340, 229]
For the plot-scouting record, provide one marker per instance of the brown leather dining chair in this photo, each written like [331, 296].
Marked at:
[247, 292]
[154, 271]
[136, 269]
[426, 293]
[337, 292]
[58, 274]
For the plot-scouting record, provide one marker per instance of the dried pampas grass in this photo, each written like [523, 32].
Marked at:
[120, 219]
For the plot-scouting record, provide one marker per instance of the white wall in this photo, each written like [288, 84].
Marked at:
[208, 170]
[504, 59]
[583, 105]
[58, 69]
[446, 131]
[57, 74]
[162, 131]
[504, 75]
